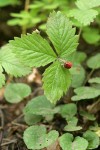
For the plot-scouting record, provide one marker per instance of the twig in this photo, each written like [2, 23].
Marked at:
[18, 117]
[27, 2]
[89, 76]
[80, 31]
[18, 124]
[7, 143]
[2, 126]
[10, 78]
[2, 118]
[95, 107]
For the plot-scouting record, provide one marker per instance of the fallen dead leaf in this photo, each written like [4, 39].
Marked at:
[35, 77]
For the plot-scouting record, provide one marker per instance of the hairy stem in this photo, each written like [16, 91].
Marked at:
[80, 31]
[88, 77]
[26, 7]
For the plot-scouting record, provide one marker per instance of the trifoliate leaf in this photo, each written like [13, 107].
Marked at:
[92, 138]
[56, 80]
[84, 13]
[31, 119]
[11, 64]
[68, 110]
[87, 115]
[85, 93]
[61, 33]
[66, 143]
[94, 80]
[35, 137]
[39, 106]
[87, 4]
[33, 50]
[15, 92]
[94, 62]
[85, 17]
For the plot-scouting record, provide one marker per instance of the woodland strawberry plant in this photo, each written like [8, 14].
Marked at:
[64, 71]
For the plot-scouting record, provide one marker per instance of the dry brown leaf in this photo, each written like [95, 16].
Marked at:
[2, 93]
[54, 146]
[35, 77]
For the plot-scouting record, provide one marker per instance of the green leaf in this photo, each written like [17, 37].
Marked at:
[37, 4]
[92, 138]
[39, 106]
[72, 121]
[62, 35]
[15, 92]
[2, 79]
[72, 125]
[78, 76]
[91, 38]
[33, 50]
[85, 17]
[8, 2]
[68, 110]
[22, 14]
[87, 4]
[35, 137]
[85, 93]
[94, 62]
[72, 128]
[66, 143]
[24, 19]
[84, 13]
[77, 57]
[11, 64]
[80, 144]
[31, 119]
[56, 80]
[87, 115]
[94, 80]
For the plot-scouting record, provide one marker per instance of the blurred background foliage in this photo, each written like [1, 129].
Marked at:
[20, 16]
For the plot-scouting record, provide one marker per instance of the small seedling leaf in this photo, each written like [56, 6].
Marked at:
[67, 143]
[31, 119]
[15, 92]
[35, 137]
[39, 106]
[95, 80]
[94, 62]
[68, 110]
[85, 93]
[92, 138]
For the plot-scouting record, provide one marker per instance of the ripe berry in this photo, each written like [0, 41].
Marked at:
[68, 65]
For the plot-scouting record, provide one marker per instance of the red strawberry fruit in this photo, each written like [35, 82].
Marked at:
[68, 65]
